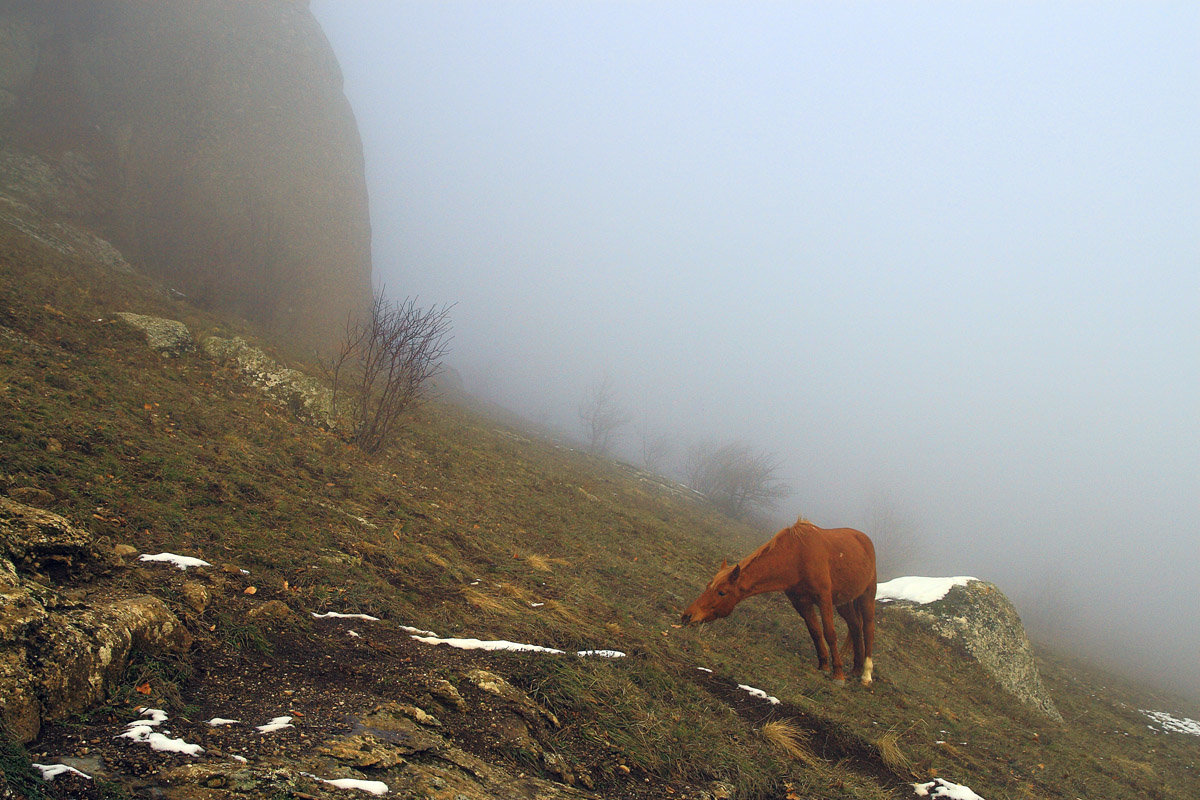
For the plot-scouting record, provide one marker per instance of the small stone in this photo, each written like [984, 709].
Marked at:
[272, 611]
[124, 551]
[195, 596]
[444, 690]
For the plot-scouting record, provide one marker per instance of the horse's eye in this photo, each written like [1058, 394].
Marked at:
[720, 593]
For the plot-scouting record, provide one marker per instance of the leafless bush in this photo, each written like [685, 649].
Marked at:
[735, 477]
[658, 448]
[602, 416]
[383, 366]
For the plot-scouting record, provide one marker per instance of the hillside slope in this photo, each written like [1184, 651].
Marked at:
[468, 527]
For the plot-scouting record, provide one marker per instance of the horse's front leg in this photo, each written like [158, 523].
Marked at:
[808, 611]
[838, 674]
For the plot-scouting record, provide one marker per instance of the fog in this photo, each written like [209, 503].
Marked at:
[942, 259]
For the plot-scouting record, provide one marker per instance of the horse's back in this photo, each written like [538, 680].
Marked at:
[852, 561]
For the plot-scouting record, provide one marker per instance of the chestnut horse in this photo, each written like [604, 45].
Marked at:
[816, 569]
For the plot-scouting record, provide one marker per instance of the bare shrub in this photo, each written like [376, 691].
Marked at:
[602, 416]
[658, 448]
[383, 366]
[735, 477]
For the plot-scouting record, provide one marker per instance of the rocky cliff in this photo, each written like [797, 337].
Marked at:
[208, 140]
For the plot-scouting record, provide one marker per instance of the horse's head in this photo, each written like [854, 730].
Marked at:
[718, 598]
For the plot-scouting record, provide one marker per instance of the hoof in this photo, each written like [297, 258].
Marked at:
[866, 682]
[839, 681]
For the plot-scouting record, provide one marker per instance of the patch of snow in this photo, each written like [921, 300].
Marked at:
[240, 759]
[479, 644]
[52, 771]
[417, 631]
[705, 669]
[919, 590]
[759, 693]
[536, 605]
[371, 787]
[945, 789]
[217, 721]
[1173, 724]
[183, 562]
[336, 615]
[276, 724]
[355, 634]
[156, 717]
[142, 731]
[515, 647]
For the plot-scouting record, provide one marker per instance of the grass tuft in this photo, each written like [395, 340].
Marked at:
[889, 750]
[793, 741]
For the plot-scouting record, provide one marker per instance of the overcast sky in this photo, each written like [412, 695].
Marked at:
[945, 254]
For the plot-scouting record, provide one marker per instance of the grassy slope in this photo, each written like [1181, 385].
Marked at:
[178, 454]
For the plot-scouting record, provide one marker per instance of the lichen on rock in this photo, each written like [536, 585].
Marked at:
[307, 397]
[167, 336]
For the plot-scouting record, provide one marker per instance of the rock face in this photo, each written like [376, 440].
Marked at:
[209, 140]
[980, 618]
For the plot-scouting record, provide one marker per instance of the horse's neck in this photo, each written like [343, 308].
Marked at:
[764, 570]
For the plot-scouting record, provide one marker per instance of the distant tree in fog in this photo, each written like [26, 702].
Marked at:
[657, 449]
[894, 532]
[735, 477]
[602, 416]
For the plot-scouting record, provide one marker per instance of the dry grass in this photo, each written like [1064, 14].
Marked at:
[487, 604]
[538, 562]
[793, 741]
[541, 563]
[889, 750]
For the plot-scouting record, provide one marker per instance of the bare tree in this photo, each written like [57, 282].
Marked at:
[894, 531]
[383, 366]
[657, 449]
[602, 416]
[737, 478]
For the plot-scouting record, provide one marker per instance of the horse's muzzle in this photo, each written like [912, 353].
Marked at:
[686, 619]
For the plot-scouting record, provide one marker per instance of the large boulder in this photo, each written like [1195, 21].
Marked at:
[59, 656]
[977, 616]
[208, 140]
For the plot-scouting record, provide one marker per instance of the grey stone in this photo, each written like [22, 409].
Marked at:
[167, 336]
[308, 398]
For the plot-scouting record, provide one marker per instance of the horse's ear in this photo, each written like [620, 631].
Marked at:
[737, 570]
[724, 563]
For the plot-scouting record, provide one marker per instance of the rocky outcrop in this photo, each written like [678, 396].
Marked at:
[167, 336]
[58, 655]
[208, 140]
[981, 619]
[308, 398]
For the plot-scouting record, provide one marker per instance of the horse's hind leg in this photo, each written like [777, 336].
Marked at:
[866, 608]
[851, 613]
[808, 611]
[838, 674]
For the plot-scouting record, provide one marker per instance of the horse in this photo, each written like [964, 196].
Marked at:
[816, 569]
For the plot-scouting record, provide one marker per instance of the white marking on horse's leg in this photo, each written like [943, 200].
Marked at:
[868, 665]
